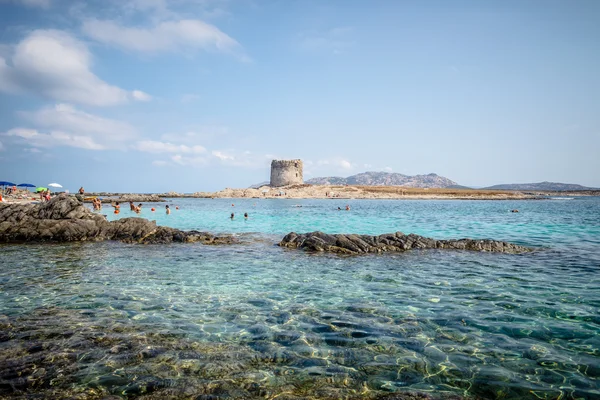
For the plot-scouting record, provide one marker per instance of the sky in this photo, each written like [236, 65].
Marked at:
[200, 95]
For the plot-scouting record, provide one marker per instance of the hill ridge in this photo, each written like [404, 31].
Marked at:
[375, 178]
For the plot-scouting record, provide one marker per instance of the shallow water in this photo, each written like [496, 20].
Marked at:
[256, 321]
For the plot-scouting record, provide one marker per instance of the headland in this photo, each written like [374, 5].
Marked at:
[307, 191]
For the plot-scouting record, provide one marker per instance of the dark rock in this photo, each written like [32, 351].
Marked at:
[390, 242]
[65, 219]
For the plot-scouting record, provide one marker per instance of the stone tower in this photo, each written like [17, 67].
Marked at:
[286, 172]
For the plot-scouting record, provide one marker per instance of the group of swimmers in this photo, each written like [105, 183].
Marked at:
[97, 203]
[233, 216]
[137, 209]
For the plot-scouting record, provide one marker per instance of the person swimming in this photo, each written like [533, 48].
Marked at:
[232, 215]
[246, 215]
[168, 210]
[347, 207]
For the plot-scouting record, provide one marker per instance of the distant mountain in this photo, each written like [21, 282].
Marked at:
[258, 185]
[387, 179]
[545, 186]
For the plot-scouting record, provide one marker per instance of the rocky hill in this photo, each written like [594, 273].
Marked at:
[544, 186]
[387, 179]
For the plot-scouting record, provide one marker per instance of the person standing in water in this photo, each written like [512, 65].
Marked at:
[168, 209]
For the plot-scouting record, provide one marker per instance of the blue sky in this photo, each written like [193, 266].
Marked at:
[199, 95]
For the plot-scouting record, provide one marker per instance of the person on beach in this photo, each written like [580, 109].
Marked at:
[168, 209]
[47, 196]
[81, 191]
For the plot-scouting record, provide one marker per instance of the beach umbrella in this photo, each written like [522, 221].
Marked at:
[41, 189]
[25, 185]
[6, 183]
[54, 185]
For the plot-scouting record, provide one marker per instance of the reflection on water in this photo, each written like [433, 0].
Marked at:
[257, 321]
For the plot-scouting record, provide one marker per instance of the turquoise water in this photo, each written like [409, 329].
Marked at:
[253, 320]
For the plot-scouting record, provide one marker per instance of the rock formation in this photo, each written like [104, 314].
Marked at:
[390, 242]
[286, 172]
[65, 219]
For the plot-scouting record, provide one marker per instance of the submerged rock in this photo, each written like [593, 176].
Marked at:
[390, 242]
[66, 219]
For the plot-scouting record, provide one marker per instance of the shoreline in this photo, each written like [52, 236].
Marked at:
[325, 192]
[359, 192]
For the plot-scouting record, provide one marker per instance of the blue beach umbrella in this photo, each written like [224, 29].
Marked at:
[5, 183]
[25, 185]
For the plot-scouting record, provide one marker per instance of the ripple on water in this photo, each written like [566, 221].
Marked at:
[185, 321]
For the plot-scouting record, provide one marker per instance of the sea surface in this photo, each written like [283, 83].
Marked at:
[252, 320]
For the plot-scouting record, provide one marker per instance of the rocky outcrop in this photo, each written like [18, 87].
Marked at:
[390, 242]
[65, 219]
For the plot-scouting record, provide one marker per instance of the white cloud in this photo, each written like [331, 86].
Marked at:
[238, 158]
[165, 36]
[141, 96]
[64, 125]
[339, 163]
[201, 133]
[54, 138]
[345, 164]
[153, 146]
[189, 161]
[67, 118]
[222, 156]
[29, 3]
[55, 65]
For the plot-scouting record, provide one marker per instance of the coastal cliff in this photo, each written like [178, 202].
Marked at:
[65, 219]
[390, 242]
